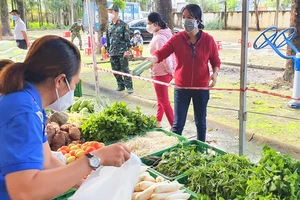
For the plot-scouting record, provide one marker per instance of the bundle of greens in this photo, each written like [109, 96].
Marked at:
[115, 123]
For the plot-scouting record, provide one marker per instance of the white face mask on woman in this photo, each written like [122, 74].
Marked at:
[150, 28]
[189, 24]
[64, 102]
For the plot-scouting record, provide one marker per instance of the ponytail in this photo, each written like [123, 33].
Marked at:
[12, 78]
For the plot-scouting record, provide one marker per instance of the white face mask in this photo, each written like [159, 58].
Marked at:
[189, 24]
[110, 17]
[64, 102]
[150, 28]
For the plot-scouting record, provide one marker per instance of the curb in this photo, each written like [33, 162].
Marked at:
[254, 66]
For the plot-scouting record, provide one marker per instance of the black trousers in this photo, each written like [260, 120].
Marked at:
[21, 44]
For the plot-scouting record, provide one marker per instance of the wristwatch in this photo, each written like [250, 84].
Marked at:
[94, 161]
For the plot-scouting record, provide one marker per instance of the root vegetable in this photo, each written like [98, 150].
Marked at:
[146, 194]
[134, 195]
[179, 196]
[163, 196]
[146, 177]
[59, 140]
[56, 126]
[50, 130]
[159, 179]
[145, 184]
[167, 187]
[74, 133]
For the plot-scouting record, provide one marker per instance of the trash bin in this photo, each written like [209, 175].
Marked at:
[78, 89]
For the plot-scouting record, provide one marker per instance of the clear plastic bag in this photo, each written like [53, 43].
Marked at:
[111, 183]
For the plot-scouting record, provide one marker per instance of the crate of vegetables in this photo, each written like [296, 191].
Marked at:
[173, 162]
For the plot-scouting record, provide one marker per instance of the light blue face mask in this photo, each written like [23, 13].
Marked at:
[13, 17]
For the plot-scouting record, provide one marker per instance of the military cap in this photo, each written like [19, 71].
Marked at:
[113, 7]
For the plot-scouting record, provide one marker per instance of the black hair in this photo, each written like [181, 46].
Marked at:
[196, 12]
[154, 17]
[15, 11]
[48, 57]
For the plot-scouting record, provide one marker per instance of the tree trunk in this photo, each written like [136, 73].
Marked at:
[225, 15]
[102, 18]
[295, 22]
[46, 11]
[164, 8]
[256, 3]
[5, 18]
[20, 8]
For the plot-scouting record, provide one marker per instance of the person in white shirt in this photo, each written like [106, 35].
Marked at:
[20, 30]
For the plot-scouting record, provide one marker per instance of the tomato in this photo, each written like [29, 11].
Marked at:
[72, 152]
[98, 145]
[84, 148]
[65, 148]
[63, 152]
[90, 149]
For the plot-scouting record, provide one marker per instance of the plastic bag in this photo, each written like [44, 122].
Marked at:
[60, 156]
[111, 183]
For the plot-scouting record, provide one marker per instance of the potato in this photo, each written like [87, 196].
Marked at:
[59, 140]
[56, 126]
[67, 137]
[74, 133]
[50, 131]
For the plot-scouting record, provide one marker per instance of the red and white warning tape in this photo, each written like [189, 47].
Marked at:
[192, 88]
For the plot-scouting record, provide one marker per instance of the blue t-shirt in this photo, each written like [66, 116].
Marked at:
[22, 133]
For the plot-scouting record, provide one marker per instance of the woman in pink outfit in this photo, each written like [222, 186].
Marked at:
[163, 71]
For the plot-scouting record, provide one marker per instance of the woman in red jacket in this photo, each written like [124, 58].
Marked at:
[193, 50]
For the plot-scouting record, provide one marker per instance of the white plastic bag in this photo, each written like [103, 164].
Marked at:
[111, 183]
[60, 156]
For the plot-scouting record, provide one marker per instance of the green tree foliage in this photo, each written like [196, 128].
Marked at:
[120, 3]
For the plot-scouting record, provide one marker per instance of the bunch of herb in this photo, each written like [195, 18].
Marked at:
[277, 176]
[225, 178]
[179, 160]
[116, 122]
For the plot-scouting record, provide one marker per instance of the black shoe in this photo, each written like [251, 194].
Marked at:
[129, 90]
[120, 88]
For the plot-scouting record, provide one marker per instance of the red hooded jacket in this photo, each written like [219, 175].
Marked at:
[191, 71]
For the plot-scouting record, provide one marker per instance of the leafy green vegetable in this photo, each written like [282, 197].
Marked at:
[116, 122]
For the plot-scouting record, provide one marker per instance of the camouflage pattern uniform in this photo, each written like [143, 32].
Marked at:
[75, 29]
[118, 42]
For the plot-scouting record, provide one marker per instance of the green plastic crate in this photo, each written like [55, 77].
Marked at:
[200, 147]
[66, 195]
[78, 89]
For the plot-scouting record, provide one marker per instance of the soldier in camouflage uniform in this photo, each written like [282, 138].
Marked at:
[118, 44]
[75, 30]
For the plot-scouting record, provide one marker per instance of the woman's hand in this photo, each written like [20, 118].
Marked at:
[153, 59]
[213, 79]
[113, 155]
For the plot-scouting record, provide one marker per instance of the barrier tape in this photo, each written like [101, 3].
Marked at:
[192, 88]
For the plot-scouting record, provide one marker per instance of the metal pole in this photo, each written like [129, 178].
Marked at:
[72, 11]
[277, 13]
[90, 21]
[243, 77]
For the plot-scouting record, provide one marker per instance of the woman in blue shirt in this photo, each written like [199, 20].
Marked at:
[46, 79]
